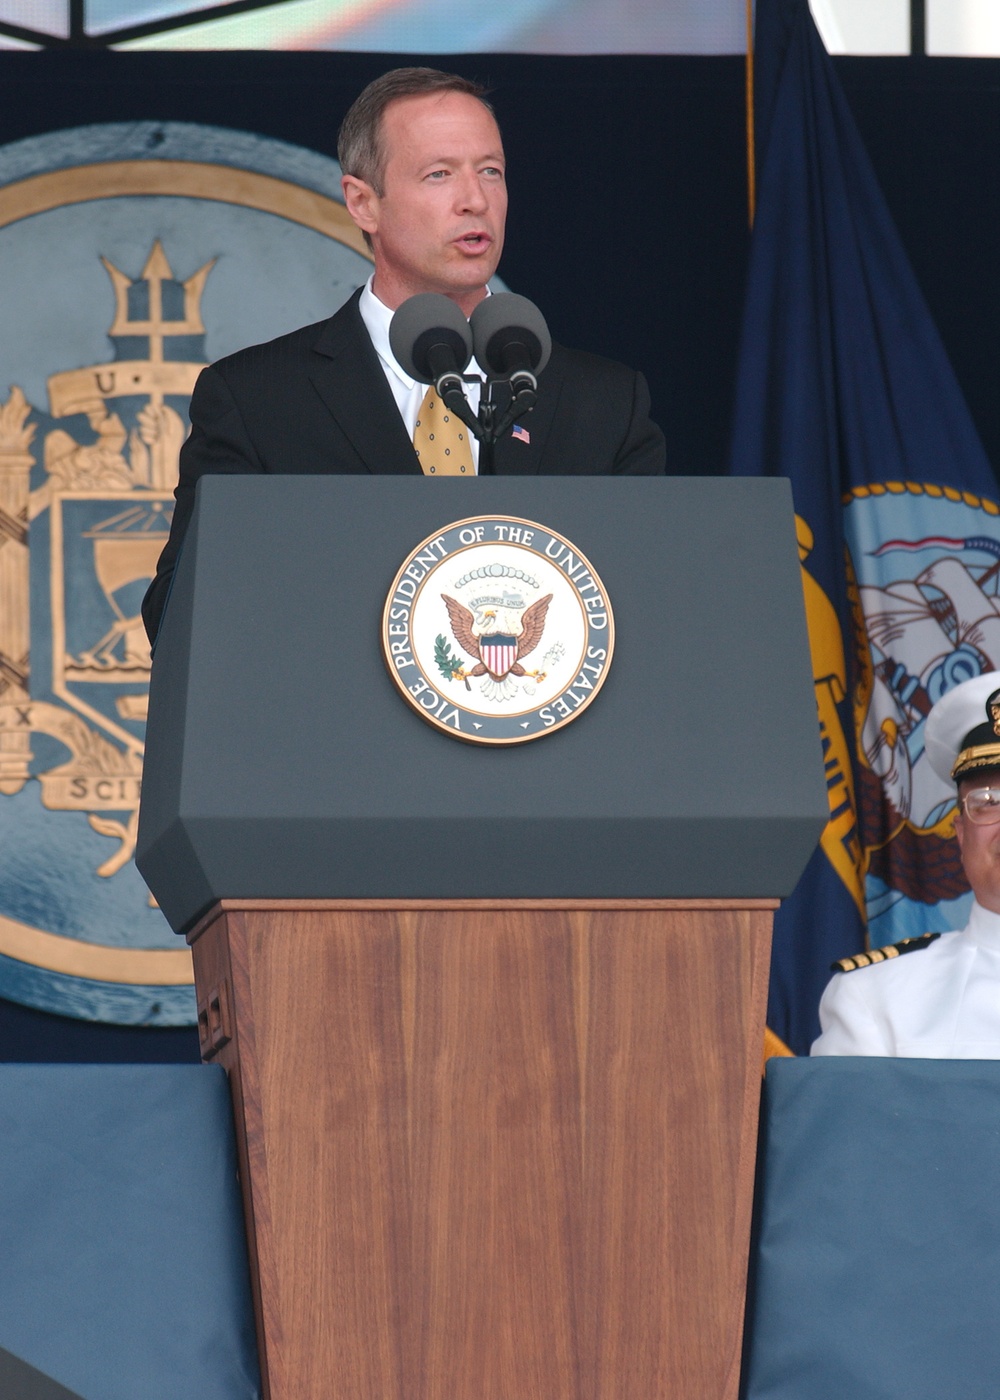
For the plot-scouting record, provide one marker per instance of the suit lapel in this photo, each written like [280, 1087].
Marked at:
[348, 377]
[515, 457]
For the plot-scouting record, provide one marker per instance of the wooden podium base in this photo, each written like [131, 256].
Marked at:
[492, 1150]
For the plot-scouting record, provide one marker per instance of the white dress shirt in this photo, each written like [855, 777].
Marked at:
[408, 393]
[939, 1002]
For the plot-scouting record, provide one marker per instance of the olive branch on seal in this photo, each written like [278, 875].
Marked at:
[447, 662]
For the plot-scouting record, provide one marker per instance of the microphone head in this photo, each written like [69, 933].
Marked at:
[423, 328]
[506, 320]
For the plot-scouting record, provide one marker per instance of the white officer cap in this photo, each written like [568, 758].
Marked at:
[961, 734]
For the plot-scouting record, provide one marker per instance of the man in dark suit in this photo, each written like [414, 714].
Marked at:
[424, 180]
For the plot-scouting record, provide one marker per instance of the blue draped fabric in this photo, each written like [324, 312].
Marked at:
[844, 387]
[873, 1272]
[124, 1260]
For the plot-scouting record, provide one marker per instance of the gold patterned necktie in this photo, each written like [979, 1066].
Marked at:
[441, 440]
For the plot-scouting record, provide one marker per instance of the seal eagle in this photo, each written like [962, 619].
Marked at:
[497, 655]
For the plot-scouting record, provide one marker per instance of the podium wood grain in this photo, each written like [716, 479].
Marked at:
[493, 1151]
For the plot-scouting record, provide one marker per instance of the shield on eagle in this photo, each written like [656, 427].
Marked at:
[498, 654]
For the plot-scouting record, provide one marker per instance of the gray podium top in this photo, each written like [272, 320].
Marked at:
[282, 762]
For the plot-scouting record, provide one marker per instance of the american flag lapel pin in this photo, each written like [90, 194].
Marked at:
[520, 433]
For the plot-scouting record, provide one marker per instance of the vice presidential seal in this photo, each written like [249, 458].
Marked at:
[497, 630]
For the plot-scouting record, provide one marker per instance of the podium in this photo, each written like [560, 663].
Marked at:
[492, 1017]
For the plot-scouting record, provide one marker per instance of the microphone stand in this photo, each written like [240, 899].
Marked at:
[522, 402]
[489, 425]
[452, 394]
[487, 437]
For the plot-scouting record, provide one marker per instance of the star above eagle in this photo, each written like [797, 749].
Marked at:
[526, 630]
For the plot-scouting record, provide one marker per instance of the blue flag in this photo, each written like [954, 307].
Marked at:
[844, 387]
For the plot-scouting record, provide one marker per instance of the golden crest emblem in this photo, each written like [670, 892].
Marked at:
[96, 523]
[116, 253]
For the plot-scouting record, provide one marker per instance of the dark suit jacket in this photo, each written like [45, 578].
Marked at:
[317, 401]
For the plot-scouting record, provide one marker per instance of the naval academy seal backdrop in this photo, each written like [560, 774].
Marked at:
[627, 226]
[142, 239]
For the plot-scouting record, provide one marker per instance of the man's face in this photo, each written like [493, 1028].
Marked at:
[438, 225]
[980, 846]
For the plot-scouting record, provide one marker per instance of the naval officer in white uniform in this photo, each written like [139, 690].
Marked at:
[941, 1000]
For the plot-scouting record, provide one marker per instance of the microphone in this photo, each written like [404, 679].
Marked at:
[512, 342]
[432, 341]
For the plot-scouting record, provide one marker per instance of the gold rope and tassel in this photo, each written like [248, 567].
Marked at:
[751, 152]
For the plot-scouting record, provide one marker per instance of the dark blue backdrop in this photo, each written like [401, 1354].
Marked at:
[627, 225]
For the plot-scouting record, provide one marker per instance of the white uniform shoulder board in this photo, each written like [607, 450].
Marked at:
[877, 955]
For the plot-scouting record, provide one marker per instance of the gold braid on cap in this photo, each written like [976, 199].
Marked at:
[981, 756]
[981, 746]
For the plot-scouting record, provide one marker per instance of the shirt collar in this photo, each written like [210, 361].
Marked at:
[377, 318]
